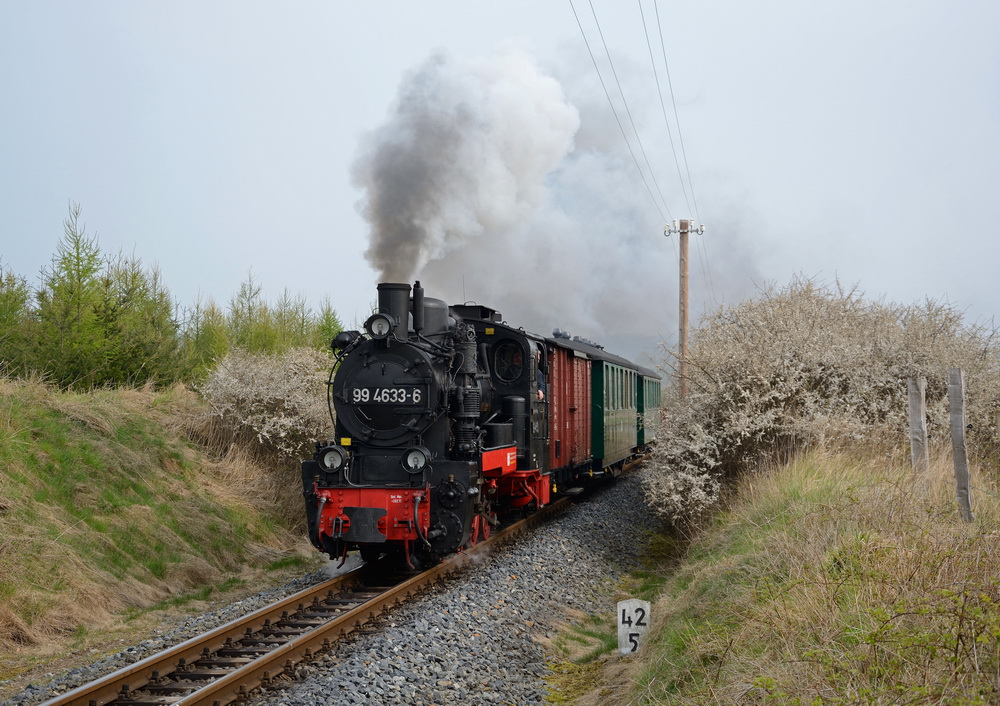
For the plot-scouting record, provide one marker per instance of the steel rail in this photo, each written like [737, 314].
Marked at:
[242, 681]
[106, 688]
[261, 670]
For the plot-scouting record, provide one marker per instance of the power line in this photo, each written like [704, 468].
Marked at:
[706, 269]
[627, 110]
[618, 119]
[673, 100]
[663, 107]
[709, 281]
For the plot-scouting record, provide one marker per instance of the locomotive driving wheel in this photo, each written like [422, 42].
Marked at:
[480, 530]
[483, 522]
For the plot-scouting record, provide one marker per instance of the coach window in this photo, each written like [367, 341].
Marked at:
[508, 360]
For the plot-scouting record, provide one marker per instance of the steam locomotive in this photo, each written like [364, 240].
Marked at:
[447, 419]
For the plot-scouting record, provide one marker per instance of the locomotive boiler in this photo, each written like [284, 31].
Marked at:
[431, 441]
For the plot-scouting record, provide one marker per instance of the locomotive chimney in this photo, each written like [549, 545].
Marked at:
[418, 307]
[394, 299]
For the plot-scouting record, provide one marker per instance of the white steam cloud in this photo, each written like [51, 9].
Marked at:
[480, 185]
[463, 155]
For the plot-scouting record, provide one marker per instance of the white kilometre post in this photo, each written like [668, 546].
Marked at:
[683, 227]
[633, 621]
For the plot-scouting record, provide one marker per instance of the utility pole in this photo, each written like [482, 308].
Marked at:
[683, 227]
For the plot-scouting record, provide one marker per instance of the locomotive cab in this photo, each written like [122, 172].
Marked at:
[515, 363]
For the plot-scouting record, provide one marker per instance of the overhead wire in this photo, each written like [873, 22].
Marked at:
[673, 100]
[687, 185]
[621, 92]
[663, 107]
[706, 269]
[618, 119]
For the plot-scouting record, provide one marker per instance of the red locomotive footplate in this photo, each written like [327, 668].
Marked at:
[401, 506]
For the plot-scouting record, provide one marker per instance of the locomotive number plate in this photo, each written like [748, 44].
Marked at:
[386, 395]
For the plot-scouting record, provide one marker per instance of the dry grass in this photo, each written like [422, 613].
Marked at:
[839, 578]
[106, 507]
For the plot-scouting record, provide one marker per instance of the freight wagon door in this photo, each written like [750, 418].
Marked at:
[580, 409]
[560, 406]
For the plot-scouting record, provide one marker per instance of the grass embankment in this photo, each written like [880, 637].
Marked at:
[838, 578]
[107, 511]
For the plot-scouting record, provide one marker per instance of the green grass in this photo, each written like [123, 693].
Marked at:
[290, 562]
[202, 594]
[835, 579]
[570, 680]
[93, 490]
[830, 581]
[7, 589]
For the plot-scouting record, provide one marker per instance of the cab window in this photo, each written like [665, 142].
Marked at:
[508, 361]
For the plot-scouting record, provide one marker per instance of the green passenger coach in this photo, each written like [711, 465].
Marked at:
[624, 405]
[615, 432]
[648, 406]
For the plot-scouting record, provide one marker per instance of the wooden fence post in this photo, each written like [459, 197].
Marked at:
[956, 404]
[918, 425]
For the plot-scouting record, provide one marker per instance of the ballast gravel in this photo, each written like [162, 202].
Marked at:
[70, 679]
[471, 640]
[474, 639]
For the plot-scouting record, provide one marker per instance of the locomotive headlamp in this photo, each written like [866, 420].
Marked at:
[331, 458]
[415, 459]
[379, 326]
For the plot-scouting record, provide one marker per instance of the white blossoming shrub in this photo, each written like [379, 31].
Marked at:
[807, 364]
[274, 403]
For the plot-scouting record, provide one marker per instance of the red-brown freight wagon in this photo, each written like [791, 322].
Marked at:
[569, 411]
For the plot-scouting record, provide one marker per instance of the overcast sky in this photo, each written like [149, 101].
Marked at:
[856, 141]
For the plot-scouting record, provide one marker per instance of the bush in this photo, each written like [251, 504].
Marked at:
[15, 311]
[807, 364]
[273, 404]
[269, 410]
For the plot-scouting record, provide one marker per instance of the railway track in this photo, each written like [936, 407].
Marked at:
[227, 663]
